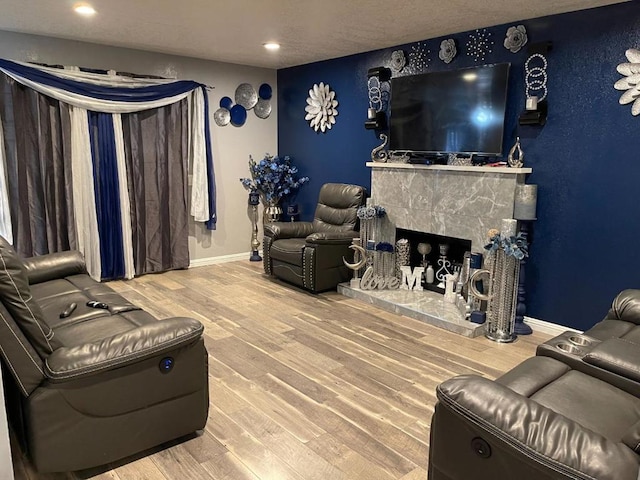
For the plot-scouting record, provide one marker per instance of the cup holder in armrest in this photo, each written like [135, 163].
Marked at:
[569, 348]
[580, 340]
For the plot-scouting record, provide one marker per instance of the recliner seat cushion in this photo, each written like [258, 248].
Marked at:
[17, 299]
[289, 250]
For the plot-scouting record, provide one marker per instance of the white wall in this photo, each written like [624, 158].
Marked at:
[231, 145]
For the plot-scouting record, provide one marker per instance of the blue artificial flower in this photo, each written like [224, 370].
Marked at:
[273, 178]
[516, 246]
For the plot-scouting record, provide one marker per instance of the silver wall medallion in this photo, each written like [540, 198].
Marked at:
[222, 117]
[246, 96]
[262, 108]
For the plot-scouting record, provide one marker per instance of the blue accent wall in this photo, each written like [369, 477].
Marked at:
[585, 160]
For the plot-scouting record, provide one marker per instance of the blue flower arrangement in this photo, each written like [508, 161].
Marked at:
[515, 246]
[273, 177]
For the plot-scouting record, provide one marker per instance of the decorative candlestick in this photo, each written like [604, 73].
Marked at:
[524, 210]
[254, 201]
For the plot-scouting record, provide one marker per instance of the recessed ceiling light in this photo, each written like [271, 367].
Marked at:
[84, 9]
[272, 46]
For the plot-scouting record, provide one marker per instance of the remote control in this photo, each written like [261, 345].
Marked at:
[69, 310]
[97, 304]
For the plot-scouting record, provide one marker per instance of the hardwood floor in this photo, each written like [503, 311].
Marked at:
[302, 386]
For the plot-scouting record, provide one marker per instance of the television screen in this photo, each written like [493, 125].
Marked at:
[455, 111]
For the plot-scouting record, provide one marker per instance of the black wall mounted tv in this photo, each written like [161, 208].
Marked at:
[453, 111]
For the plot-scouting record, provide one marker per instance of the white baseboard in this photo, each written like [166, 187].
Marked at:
[201, 262]
[547, 327]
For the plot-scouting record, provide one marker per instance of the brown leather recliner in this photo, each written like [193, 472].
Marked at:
[309, 254]
[92, 384]
[573, 411]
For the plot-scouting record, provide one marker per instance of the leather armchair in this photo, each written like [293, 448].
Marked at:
[92, 385]
[542, 420]
[309, 254]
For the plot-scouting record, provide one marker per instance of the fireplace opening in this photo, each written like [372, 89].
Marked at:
[455, 250]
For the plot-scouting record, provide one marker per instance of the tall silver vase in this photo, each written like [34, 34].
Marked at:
[502, 294]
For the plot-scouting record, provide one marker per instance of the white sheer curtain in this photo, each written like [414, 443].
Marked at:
[84, 201]
[5, 216]
[125, 211]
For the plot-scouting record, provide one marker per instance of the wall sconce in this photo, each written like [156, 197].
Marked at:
[376, 115]
[535, 80]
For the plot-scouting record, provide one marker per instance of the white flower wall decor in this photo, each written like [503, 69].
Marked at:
[631, 80]
[515, 39]
[322, 107]
[448, 50]
[398, 61]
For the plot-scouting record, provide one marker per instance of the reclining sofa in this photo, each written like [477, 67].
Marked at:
[90, 377]
[572, 411]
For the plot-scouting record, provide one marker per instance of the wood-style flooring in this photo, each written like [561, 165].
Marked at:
[302, 386]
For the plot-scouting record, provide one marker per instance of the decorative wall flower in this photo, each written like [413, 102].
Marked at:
[631, 82]
[516, 38]
[448, 50]
[398, 60]
[321, 107]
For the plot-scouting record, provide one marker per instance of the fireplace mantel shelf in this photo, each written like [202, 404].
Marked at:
[454, 168]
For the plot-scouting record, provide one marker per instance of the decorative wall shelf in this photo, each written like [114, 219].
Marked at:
[451, 168]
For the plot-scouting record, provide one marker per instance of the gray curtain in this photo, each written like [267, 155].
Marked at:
[38, 151]
[156, 147]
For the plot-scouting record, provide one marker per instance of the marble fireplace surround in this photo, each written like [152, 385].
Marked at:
[454, 201]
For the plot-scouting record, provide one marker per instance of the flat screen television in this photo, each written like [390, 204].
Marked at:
[455, 111]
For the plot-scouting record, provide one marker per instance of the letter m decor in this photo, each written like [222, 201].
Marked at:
[411, 280]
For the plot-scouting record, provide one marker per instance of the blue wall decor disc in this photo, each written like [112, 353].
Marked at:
[238, 115]
[226, 102]
[265, 91]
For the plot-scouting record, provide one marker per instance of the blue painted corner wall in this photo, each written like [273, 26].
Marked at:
[585, 160]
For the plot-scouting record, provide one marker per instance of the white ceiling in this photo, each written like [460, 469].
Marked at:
[234, 30]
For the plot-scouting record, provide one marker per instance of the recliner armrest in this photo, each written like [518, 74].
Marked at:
[119, 350]
[535, 431]
[618, 356]
[54, 265]
[332, 238]
[277, 230]
[626, 306]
